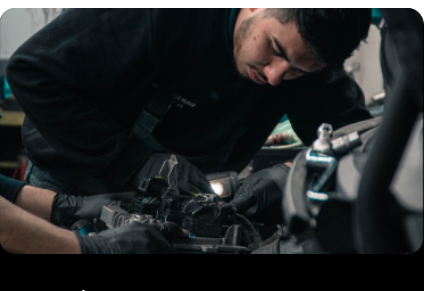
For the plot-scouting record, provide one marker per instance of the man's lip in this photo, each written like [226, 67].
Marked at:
[254, 77]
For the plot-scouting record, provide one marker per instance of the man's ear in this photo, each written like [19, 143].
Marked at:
[252, 9]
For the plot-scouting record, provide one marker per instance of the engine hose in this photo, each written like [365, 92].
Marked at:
[277, 235]
[281, 234]
[253, 233]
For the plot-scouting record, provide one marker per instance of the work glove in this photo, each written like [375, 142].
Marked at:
[175, 170]
[67, 209]
[134, 238]
[260, 196]
[168, 229]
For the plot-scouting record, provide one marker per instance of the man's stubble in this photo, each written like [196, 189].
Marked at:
[241, 35]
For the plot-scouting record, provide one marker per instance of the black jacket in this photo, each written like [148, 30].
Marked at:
[84, 79]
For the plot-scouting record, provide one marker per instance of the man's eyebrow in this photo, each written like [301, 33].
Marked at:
[281, 50]
[311, 73]
[285, 56]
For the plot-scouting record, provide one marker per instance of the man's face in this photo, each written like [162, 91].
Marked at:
[267, 51]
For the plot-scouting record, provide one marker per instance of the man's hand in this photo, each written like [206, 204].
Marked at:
[67, 209]
[260, 196]
[134, 238]
[183, 174]
[168, 229]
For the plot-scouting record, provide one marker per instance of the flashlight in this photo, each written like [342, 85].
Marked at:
[224, 184]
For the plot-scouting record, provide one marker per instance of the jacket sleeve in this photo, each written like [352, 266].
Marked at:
[63, 72]
[330, 97]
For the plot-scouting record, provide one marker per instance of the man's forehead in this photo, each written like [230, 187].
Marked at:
[295, 46]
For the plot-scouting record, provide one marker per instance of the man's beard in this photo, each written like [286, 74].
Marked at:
[240, 36]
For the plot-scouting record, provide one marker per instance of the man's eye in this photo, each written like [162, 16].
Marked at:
[275, 50]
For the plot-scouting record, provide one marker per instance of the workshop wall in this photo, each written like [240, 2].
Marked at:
[19, 24]
[367, 66]
[16, 26]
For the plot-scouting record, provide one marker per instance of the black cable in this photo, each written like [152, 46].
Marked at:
[254, 235]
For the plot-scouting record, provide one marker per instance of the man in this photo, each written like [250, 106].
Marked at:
[110, 93]
[24, 228]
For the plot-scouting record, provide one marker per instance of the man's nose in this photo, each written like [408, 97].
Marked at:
[275, 71]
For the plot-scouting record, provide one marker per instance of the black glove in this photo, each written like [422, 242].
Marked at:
[134, 238]
[67, 209]
[184, 175]
[168, 229]
[260, 196]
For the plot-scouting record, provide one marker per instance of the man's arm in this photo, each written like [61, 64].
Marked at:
[23, 233]
[67, 73]
[36, 201]
[58, 208]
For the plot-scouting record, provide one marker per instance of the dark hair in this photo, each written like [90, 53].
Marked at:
[332, 33]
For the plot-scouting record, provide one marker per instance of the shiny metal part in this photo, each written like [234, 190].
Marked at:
[170, 178]
[378, 97]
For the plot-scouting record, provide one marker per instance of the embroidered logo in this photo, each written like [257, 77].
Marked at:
[180, 102]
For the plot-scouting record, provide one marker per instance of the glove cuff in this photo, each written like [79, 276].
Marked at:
[63, 210]
[94, 245]
[10, 188]
[55, 214]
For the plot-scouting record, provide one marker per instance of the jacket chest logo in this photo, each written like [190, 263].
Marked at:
[181, 102]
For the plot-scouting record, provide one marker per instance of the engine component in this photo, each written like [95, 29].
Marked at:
[214, 226]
